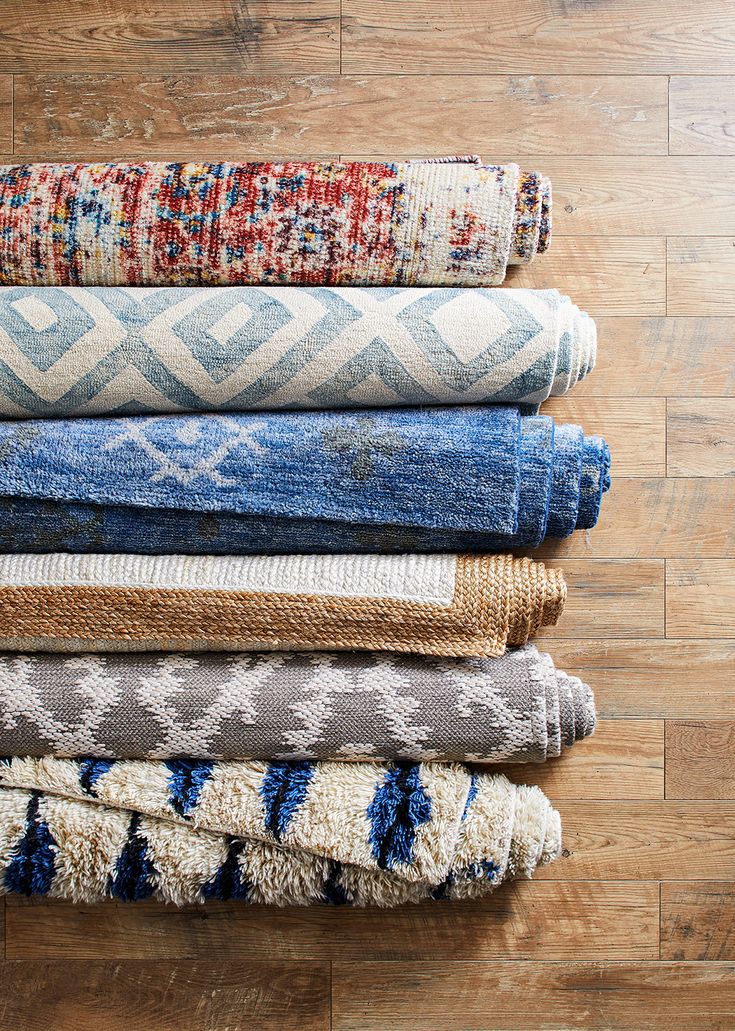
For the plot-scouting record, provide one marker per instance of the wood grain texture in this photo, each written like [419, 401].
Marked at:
[702, 115]
[628, 107]
[432, 36]
[646, 678]
[659, 357]
[611, 599]
[698, 921]
[700, 759]
[624, 759]
[631, 841]
[634, 428]
[662, 518]
[242, 36]
[700, 273]
[297, 116]
[526, 920]
[613, 196]
[613, 276]
[701, 436]
[555, 997]
[700, 598]
[6, 112]
[160, 996]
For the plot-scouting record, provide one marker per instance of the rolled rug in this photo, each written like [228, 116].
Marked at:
[409, 223]
[285, 705]
[462, 605]
[449, 479]
[279, 833]
[80, 351]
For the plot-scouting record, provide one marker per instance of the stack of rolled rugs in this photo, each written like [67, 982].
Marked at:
[268, 433]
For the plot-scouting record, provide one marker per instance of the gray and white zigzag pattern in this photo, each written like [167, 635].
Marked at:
[517, 708]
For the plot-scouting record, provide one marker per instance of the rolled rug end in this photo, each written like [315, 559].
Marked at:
[595, 481]
[536, 835]
[583, 700]
[544, 238]
[537, 599]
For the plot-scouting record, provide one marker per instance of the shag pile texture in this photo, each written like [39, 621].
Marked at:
[77, 351]
[285, 834]
[440, 479]
[415, 223]
[464, 605]
[284, 705]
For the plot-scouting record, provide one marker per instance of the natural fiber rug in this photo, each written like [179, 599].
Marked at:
[439, 479]
[424, 604]
[415, 223]
[76, 351]
[285, 705]
[287, 834]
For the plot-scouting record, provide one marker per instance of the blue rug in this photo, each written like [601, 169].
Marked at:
[440, 479]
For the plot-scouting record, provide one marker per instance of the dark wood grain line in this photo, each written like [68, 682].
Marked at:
[523, 920]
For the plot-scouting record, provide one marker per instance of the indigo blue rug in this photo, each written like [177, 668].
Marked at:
[443, 479]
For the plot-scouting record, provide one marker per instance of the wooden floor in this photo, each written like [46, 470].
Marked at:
[629, 106]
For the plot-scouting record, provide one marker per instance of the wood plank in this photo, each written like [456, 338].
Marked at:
[6, 112]
[661, 518]
[624, 759]
[159, 996]
[611, 276]
[635, 429]
[611, 599]
[701, 436]
[698, 921]
[700, 598]
[702, 115]
[672, 196]
[650, 679]
[633, 841]
[659, 357]
[259, 36]
[433, 36]
[700, 759]
[279, 116]
[700, 272]
[555, 997]
[526, 920]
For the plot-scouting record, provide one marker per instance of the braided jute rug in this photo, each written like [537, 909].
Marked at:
[285, 705]
[408, 223]
[279, 833]
[462, 605]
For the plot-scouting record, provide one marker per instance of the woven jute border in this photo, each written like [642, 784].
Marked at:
[498, 601]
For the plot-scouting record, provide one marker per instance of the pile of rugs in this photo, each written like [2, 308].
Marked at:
[267, 439]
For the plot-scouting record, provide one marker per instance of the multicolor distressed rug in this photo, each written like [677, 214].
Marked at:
[286, 705]
[280, 833]
[466, 605]
[388, 480]
[415, 223]
[89, 351]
